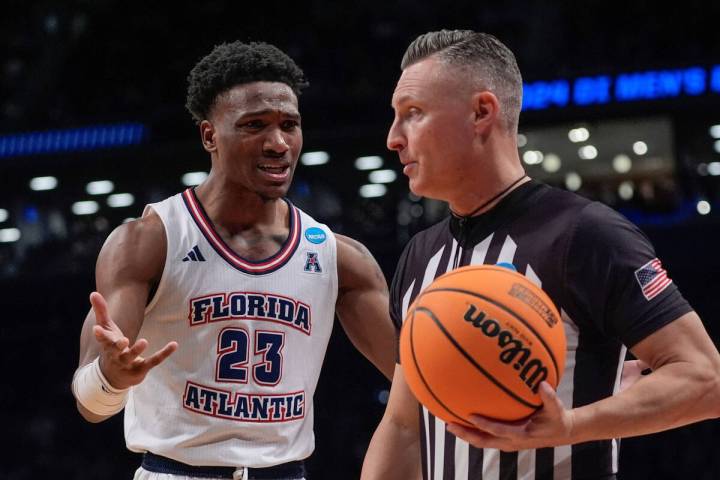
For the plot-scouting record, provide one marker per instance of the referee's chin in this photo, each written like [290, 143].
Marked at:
[419, 189]
[416, 187]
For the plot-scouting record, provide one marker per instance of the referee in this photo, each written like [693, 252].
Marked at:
[457, 105]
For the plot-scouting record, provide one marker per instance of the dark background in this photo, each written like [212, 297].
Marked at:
[77, 63]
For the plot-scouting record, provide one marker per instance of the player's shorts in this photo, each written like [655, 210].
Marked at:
[155, 467]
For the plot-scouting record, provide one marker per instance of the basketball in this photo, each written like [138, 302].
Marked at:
[480, 340]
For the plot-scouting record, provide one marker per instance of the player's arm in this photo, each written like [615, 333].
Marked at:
[129, 266]
[362, 304]
[394, 451]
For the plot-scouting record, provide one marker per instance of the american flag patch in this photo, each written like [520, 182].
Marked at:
[652, 278]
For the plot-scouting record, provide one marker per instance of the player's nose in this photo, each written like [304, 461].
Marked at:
[275, 142]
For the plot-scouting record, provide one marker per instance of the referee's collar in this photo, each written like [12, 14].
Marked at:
[470, 230]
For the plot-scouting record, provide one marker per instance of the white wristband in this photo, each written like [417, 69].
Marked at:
[95, 393]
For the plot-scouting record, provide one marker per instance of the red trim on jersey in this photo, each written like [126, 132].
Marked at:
[267, 265]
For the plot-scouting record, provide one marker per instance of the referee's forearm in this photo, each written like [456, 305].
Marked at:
[674, 395]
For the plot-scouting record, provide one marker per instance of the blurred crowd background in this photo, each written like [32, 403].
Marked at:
[621, 105]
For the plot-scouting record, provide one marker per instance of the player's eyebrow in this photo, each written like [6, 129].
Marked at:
[267, 111]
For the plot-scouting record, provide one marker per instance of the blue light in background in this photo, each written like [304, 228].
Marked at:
[541, 95]
[31, 214]
[624, 87]
[592, 90]
[653, 85]
[71, 140]
[715, 79]
[694, 79]
[301, 188]
[685, 211]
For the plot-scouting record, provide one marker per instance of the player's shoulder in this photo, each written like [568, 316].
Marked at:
[351, 251]
[136, 246]
[346, 241]
[145, 230]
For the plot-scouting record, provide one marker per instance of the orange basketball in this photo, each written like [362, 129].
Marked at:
[479, 340]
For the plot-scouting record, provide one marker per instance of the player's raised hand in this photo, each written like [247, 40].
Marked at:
[122, 364]
[549, 426]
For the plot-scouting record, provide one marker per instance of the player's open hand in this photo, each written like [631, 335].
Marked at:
[550, 426]
[122, 364]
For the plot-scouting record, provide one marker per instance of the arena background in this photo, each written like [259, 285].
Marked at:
[94, 91]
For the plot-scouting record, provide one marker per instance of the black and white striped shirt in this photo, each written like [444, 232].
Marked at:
[585, 256]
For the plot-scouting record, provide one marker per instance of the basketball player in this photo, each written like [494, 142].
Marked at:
[456, 106]
[232, 289]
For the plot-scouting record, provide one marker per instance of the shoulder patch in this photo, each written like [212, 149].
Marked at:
[315, 235]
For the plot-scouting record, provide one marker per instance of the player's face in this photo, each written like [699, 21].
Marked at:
[433, 129]
[257, 137]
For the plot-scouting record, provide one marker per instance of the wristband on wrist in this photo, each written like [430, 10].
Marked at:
[95, 393]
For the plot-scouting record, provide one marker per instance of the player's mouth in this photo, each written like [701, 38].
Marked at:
[277, 173]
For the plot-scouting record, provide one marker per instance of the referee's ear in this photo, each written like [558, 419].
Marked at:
[207, 136]
[487, 111]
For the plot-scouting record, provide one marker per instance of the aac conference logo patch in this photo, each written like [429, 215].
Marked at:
[315, 235]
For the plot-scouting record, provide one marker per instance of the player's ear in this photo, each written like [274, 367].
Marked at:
[207, 135]
[487, 111]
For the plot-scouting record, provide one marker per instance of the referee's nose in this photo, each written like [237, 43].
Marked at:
[396, 139]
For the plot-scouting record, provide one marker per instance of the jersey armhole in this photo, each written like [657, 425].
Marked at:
[336, 275]
[163, 281]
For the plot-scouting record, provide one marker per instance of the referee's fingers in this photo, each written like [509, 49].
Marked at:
[551, 402]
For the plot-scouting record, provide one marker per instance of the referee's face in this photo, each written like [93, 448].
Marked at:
[433, 130]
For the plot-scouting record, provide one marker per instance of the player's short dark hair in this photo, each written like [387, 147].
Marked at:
[236, 63]
[484, 56]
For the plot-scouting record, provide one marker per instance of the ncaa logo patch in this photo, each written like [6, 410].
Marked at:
[312, 263]
[315, 235]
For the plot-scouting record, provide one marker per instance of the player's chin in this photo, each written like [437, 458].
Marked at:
[274, 192]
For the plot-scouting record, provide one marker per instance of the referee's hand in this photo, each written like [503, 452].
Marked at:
[550, 426]
[123, 365]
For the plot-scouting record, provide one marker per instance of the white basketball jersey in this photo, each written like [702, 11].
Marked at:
[252, 337]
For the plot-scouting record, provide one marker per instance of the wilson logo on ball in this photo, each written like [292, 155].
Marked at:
[531, 372]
